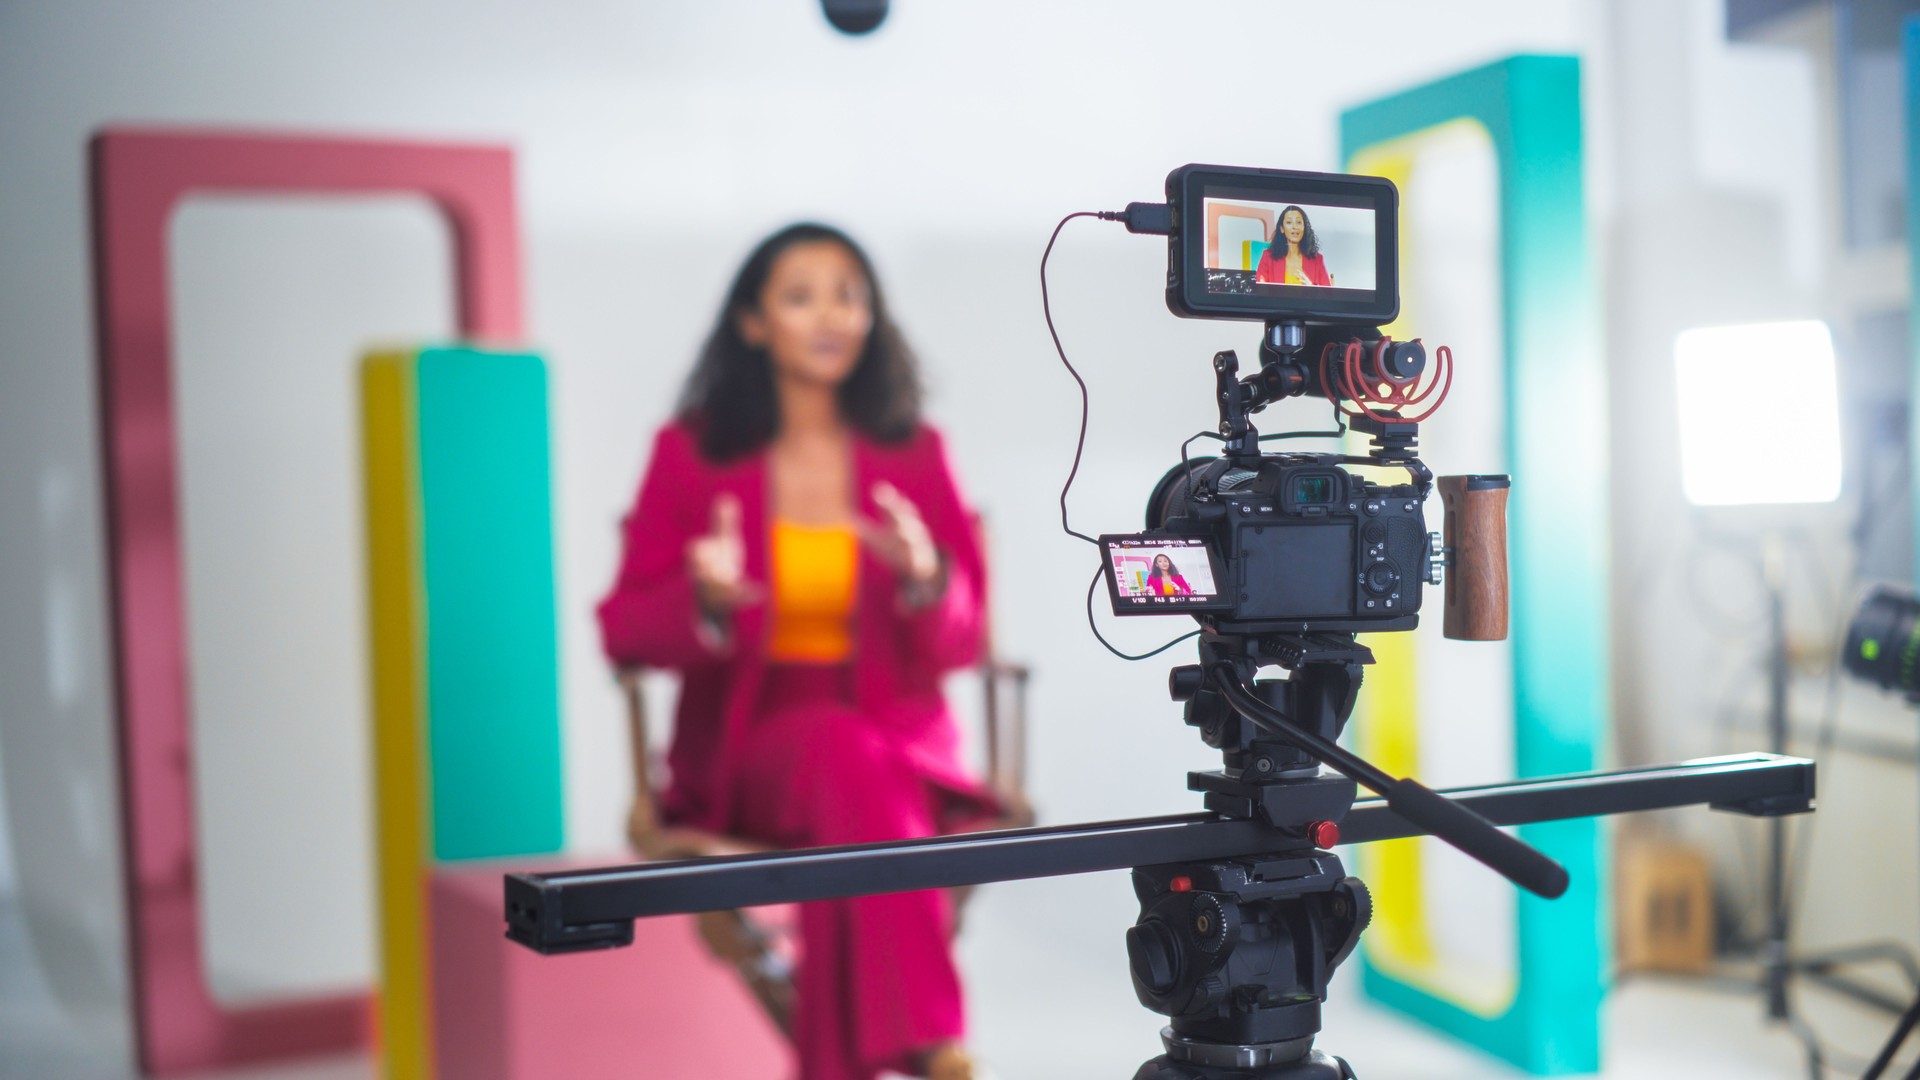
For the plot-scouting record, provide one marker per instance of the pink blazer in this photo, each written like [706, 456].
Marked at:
[650, 617]
[1272, 268]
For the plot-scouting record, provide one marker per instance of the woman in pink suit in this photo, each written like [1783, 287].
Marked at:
[1293, 258]
[800, 553]
[1165, 580]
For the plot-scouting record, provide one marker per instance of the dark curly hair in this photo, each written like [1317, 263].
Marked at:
[730, 401]
[1309, 244]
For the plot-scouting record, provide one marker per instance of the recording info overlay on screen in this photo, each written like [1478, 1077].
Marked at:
[1265, 248]
[1161, 575]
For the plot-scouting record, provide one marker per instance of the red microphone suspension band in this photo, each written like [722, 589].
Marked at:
[1384, 374]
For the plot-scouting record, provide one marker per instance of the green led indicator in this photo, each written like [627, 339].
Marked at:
[1870, 649]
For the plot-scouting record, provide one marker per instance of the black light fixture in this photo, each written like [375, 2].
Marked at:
[1883, 648]
[855, 17]
[1883, 640]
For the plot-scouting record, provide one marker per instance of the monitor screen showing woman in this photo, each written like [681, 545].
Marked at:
[1150, 571]
[1288, 245]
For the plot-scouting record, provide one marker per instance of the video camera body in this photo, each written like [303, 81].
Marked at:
[1305, 545]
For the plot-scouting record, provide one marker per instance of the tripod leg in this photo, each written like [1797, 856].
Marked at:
[1816, 1061]
[1892, 1047]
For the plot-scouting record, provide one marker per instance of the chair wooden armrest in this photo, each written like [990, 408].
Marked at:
[1004, 685]
[731, 936]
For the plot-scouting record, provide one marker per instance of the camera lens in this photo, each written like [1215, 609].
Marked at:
[1169, 497]
[1883, 640]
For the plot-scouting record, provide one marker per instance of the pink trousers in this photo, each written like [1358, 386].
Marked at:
[876, 980]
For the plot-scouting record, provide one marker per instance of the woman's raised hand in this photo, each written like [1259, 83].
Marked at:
[717, 562]
[900, 538]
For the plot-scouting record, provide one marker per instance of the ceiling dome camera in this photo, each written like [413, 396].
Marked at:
[855, 16]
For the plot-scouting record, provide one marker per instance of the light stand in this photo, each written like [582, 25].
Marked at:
[1771, 437]
[1777, 966]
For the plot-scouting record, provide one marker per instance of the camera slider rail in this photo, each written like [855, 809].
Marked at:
[577, 910]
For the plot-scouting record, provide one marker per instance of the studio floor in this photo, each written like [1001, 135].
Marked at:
[1656, 1028]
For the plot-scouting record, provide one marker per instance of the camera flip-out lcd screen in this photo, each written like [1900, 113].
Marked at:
[1162, 575]
[1274, 244]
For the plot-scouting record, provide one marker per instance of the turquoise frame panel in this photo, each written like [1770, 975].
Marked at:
[1556, 434]
[491, 644]
[1910, 48]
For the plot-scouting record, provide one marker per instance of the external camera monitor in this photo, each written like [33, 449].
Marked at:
[1162, 575]
[1274, 244]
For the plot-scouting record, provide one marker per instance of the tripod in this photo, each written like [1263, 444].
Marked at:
[1239, 952]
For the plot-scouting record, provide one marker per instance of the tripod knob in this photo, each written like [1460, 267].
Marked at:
[1155, 954]
[1185, 682]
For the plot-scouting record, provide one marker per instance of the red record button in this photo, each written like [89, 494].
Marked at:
[1181, 884]
[1324, 834]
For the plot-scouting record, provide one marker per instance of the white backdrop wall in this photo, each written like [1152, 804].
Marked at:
[656, 143]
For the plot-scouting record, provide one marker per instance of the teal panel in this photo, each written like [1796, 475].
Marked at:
[492, 670]
[1530, 106]
[1910, 37]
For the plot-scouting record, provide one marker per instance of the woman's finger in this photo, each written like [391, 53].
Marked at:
[726, 516]
[895, 506]
[882, 536]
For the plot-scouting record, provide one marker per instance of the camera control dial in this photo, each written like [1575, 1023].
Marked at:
[1381, 578]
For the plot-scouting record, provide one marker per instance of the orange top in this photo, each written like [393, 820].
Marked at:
[815, 572]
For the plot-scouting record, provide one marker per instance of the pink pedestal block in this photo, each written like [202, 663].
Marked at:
[661, 1007]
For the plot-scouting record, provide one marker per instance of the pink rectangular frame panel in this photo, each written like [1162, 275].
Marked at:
[139, 178]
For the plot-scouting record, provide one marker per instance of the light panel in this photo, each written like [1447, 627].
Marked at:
[1759, 414]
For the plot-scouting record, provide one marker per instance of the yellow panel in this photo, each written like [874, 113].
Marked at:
[1387, 721]
[401, 803]
[1387, 731]
[1388, 734]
